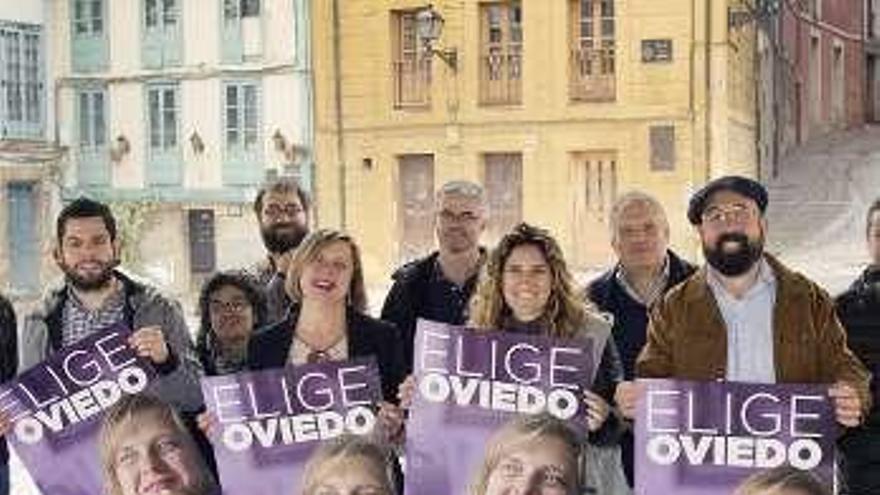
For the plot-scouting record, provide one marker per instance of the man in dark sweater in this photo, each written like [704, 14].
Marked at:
[859, 311]
[439, 286]
[645, 270]
[8, 368]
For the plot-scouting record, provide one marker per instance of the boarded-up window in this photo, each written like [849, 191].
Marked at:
[202, 250]
[593, 179]
[503, 174]
[416, 205]
[662, 139]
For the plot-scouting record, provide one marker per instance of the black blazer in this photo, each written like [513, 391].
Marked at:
[270, 346]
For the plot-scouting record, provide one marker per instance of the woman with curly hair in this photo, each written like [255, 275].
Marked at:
[526, 288]
[231, 308]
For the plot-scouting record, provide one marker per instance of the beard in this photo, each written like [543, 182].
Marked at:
[280, 238]
[738, 261]
[92, 281]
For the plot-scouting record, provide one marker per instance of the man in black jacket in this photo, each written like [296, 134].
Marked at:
[8, 368]
[439, 286]
[859, 310]
[645, 270]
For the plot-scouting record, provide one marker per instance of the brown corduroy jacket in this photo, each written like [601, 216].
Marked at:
[687, 337]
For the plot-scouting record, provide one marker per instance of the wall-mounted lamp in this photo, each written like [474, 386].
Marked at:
[195, 140]
[429, 26]
[120, 148]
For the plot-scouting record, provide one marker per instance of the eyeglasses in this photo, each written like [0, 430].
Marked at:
[277, 210]
[736, 213]
[463, 217]
[234, 306]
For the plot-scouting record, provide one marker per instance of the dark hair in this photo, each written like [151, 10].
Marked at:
[281, 186]
[206, 339]
[83, 207]
[875, 206]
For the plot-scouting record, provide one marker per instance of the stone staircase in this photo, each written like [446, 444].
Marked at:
[818, 204]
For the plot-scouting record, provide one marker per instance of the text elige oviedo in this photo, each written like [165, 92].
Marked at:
[675, 438]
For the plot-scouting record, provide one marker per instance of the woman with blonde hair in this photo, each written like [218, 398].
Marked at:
[351, 465]
[327, 320]
[145, 448]
[534, 455]
[784, 480]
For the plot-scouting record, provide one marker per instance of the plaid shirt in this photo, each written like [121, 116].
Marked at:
[79, 322]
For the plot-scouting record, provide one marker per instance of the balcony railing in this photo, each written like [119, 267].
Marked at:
[501, 78]
[412, 82]
[592, 74]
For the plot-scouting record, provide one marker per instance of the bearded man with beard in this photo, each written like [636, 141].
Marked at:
[744, 316]
[96, 295]
[439, 285]
[282, 209]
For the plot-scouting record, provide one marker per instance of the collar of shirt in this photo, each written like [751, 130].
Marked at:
[655, 288]
[765, 280]
[437, 274]
[114, 301]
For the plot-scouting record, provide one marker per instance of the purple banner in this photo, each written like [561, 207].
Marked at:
[269, 423]
[478, 390]
[57, 406]
[712, 437]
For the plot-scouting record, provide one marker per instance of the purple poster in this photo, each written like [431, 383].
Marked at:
[57, 406]
[705, 438]
[268, 424]
[478, 393]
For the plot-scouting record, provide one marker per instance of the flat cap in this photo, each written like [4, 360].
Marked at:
[738, 184]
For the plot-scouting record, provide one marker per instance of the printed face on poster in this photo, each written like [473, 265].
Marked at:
[58, 407]
[725, 437]
[496, 411]
[299, 430]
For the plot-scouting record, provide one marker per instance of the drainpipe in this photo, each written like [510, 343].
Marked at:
[708, 34]
[340, 137]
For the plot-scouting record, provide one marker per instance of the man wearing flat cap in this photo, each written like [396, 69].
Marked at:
[744, 316]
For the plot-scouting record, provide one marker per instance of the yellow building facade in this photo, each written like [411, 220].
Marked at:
[555, 106]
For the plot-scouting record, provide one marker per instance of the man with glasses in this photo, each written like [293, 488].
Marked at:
[646, 268]
[744, 316]
[439, 286]
[282, 209]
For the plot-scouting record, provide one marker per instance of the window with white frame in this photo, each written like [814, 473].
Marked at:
[21, 89]
[242, 116]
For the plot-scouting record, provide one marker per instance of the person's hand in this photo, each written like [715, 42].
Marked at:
[391, 422]
[627, 396]
[847, 404]
[406, 392]
[206, 422]
[149, 342]
[597, 410]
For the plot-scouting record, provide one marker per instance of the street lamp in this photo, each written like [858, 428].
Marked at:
[429, 26]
